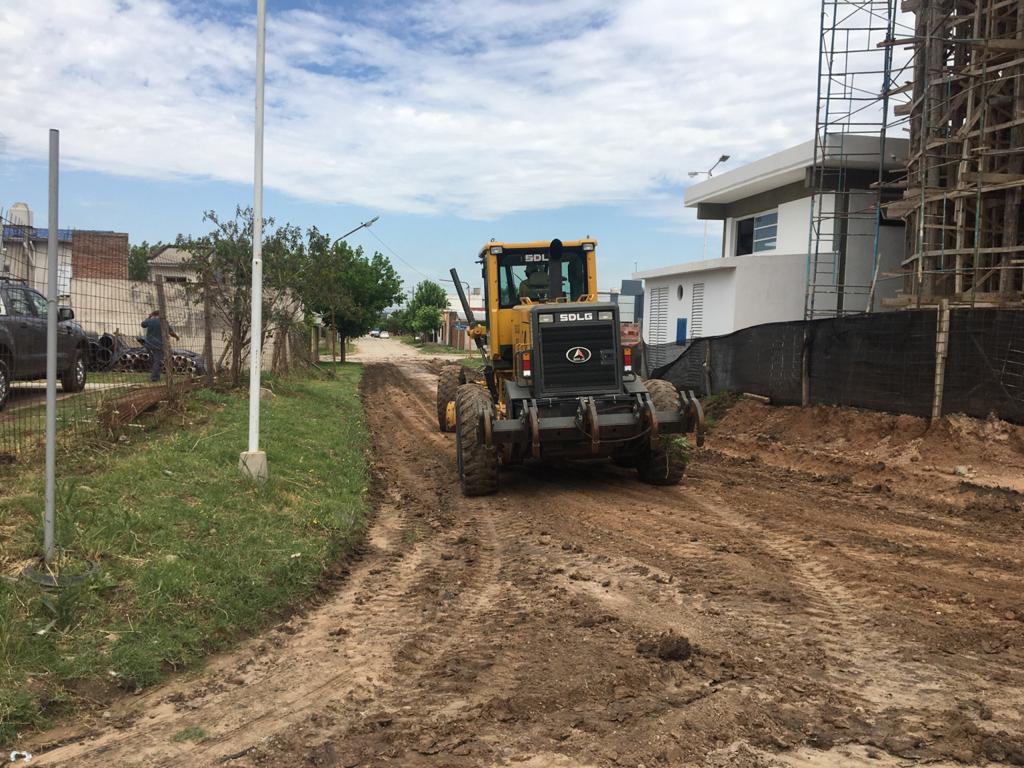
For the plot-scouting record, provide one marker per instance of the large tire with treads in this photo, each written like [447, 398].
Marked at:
[478, 464]
[448, 381]
[664, 462]
[5, 381]
[72, 379]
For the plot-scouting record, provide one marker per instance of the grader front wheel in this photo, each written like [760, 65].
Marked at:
[448, 382]
[478, 464]
[664, 462]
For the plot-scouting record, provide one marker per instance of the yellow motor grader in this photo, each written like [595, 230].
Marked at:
[557, 382]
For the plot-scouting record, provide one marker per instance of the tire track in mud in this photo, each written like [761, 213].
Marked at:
[377, 618]
[505, 630]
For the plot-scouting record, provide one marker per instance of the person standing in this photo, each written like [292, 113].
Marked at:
[154, 342]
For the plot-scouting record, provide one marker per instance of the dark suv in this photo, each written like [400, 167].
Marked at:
[23, 340]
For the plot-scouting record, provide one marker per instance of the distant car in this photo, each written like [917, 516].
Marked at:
[385, 335]
[375, 333]
[23, 340]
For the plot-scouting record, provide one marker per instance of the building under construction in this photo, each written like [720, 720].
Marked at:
[947, 74]
[962, 203]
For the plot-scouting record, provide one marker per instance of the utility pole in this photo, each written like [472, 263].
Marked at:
[253, 462]
[50, 513]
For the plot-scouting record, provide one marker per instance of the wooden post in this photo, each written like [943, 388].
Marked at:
[941, 351]
[207, 332]
[165, 338]
[805, 368]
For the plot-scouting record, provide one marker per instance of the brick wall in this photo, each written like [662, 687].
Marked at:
[99, 255]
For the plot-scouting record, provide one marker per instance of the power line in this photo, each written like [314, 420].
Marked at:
[395, 254]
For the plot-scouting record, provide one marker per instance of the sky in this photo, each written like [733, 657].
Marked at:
[455, 121]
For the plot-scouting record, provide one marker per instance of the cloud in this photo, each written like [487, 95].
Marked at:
[474, 108]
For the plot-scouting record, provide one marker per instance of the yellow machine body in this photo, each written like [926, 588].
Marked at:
[556, 381]
[508, 325]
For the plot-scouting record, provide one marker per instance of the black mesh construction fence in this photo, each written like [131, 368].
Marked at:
[883, 362]
[985, 367]
[123, 344]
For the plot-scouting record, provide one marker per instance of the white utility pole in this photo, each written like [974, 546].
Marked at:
[49, 514]
[253, 462]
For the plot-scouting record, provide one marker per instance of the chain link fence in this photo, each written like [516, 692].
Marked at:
[124, 345]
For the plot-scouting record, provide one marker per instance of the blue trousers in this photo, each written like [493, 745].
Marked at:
[157, 354]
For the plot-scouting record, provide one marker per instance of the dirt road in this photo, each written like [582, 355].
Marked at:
[755, 616]
[375, 350]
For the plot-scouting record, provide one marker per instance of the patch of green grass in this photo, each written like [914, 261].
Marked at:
[325, 348]
[191, 555]
[428, 347]
[192, 733]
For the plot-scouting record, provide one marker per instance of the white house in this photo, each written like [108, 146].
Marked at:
[171, 263]
[762, 273]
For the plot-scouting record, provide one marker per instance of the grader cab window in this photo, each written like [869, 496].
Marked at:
[526, 276]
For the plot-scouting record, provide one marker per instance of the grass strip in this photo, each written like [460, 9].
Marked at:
[430, 348]
[192, 556]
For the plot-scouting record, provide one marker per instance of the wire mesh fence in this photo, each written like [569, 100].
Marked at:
[124, 345]
[924, 363]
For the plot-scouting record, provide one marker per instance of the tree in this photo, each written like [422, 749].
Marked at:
[138, 260]
[429, 294]
[424, 314]
[425, 319]
[397, 322]
[222, 260]
[349, 289]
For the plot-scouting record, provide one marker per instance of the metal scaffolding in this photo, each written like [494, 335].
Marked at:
[962, 195]
[854, 120]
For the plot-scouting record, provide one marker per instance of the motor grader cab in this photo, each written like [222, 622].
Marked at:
[557, 382]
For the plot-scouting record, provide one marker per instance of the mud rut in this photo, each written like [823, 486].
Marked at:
[831, 625]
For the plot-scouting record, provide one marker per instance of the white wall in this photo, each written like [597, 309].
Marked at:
[751, 290]
[19, 258]
[770, 289]
[719, 300]
[794, 226]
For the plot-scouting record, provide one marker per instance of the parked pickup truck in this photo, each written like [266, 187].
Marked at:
[23, 340]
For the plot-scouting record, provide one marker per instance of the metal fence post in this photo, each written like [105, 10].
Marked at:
[49, 514]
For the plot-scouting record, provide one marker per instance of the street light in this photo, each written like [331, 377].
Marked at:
[352, 231]
[444, 280]
[709, 172]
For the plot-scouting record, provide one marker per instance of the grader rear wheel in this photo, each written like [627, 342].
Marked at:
[478, 464]
[664, 462]
[448, 382]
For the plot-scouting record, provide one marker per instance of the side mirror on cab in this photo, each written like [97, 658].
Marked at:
[64, 314]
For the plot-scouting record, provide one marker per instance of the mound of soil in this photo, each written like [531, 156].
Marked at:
[870, 445]
[667, 647]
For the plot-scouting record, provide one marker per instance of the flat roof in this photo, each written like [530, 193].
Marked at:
[789, 166]
[713, 265]
[707, 265]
